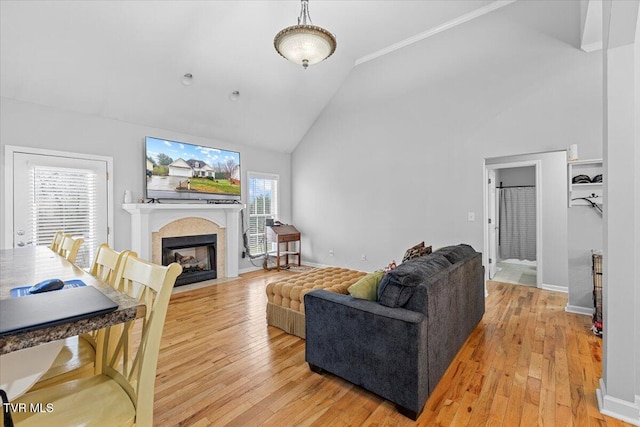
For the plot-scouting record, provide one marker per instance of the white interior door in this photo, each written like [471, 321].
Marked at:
[52, 192]
[492, 223]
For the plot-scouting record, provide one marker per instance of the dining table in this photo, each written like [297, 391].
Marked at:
[26, 354]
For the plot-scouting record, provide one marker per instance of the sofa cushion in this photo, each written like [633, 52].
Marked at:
[367, 287]
[456, 253]
[398, 285]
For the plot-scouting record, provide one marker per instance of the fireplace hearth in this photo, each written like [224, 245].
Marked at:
[196, 255]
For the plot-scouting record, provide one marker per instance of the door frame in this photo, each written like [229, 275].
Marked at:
[493, 215]
[10, 150]
[489, 211]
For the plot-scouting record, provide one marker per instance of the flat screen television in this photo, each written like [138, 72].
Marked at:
[178, 170]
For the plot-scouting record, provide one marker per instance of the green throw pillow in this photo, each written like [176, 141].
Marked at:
[367, 287]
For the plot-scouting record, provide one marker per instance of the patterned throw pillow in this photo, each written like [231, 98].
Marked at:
[416, 251]
[412, 251]
[424, 251]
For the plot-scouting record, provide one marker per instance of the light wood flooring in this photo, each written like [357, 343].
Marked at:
[527, 363]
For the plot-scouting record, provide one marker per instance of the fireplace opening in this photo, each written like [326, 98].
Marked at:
[196, 255]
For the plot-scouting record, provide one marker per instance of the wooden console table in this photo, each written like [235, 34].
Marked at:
[286, 234]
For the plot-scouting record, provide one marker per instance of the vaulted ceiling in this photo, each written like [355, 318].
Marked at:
[124, 60]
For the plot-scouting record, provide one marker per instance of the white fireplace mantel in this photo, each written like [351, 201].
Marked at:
[147, 218]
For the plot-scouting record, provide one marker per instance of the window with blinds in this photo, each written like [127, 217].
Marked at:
[263, 204]
[64, 199]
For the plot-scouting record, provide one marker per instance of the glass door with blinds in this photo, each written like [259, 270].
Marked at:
[52, 193]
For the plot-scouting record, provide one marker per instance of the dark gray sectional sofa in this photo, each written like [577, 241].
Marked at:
[400, 346]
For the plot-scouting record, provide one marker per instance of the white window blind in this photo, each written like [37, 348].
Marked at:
[263, 204]
[64, 199]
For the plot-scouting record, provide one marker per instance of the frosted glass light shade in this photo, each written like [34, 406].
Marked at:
[305, 44]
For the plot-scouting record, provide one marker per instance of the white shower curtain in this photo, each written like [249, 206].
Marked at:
[518, 223]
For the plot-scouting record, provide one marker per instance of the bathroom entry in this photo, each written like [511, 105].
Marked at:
[512, 228]
[516, 225]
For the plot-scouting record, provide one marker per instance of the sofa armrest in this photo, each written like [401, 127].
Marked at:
[354, 338]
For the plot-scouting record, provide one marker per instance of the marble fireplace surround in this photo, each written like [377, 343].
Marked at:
[152, 221]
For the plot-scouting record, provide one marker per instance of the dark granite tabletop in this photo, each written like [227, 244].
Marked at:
[30, 265]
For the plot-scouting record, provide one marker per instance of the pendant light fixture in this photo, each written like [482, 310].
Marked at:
[305, 44]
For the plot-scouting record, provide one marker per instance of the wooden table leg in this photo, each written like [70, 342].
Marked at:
[287, 256]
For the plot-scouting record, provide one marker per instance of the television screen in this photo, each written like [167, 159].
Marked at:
[177, 170]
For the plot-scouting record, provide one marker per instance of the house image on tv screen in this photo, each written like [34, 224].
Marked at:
[190, 168]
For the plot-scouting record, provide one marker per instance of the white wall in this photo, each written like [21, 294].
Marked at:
[619, 393]
[636, 329]
[31, 125]
[397, 156]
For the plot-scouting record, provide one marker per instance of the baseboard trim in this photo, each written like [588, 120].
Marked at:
[314, 264]
[617, 408]
[254, 268]
[249, 269]
[555, 288]
[587, 311]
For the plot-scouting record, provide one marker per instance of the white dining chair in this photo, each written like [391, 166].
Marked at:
[69, 247]
[77, 358]
[57, 239]
[123, 393]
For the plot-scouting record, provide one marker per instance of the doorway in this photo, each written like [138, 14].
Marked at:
[512, 236]
[49, 190]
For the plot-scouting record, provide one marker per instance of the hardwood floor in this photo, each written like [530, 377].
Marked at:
[527, 363]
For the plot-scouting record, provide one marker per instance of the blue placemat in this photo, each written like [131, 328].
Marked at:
[24, 290]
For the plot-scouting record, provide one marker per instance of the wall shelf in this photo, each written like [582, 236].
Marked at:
[579, 191]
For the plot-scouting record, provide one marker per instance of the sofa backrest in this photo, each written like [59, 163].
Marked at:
[457, 256]
[398, 285]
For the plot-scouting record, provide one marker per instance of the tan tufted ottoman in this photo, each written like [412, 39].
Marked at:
[285, 306]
